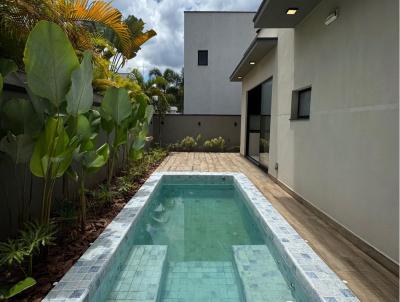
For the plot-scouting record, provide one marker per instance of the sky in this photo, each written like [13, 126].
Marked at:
[166, 17]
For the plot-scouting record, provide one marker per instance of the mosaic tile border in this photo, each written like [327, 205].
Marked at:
[84, 278]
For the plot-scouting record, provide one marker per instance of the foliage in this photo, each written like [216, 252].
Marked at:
[264, 143]
[87, 159]
[102, 196]
[77, 18]
[190, 144]
[19, 253]
[138, 38]
[15, 289]
[32, 237]
[56, 131]
[215, 144]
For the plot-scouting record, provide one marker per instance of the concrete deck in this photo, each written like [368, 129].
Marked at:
[369, 280]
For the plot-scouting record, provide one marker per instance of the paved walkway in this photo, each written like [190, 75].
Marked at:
[368, 279]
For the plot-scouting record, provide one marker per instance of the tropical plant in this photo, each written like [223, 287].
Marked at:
[215, 144]
[87, 158]
[19, 252]
[188, 143]
[137, 38]
[77, 19]
[115, 110]
[102, 195]
[7, 292]
[32, 237]
[54, 148]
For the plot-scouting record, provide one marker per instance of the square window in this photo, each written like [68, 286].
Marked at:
[301, 101]
[202, 57]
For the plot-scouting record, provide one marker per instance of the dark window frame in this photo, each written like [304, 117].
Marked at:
[296, 104]
[199, 61]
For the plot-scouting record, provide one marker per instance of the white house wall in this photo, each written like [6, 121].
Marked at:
[225, 35]
[344, 160]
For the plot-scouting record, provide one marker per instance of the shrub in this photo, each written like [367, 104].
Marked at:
[188, 143]
[214, 144]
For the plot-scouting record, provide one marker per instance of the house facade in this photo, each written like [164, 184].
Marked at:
[320, 112]
[212, 41]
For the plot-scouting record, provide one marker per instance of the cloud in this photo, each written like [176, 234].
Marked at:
[166, 17]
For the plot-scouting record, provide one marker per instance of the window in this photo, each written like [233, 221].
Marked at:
[301, 100]
[202, 57]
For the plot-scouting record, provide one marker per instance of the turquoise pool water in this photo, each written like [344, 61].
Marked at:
[198, 242]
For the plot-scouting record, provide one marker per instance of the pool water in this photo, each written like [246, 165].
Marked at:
[214, 249]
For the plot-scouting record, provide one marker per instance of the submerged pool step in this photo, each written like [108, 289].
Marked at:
[200, 281]
[259, 273]
[141, 275]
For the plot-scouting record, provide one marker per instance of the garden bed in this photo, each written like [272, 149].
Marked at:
[72, 242]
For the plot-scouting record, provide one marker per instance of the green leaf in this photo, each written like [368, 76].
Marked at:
[19, 147]
[19, 117]
[136, 150]
[93, 161]
[49, 61]
[11, 252]
[107, 124]
[149, 113]
[17, 288]
[116, 105]
[80, 96]
[53, 150]
[7, 66]
[41, 105]
[121, 137]
[83, 129]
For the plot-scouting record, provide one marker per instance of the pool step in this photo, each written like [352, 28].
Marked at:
[200, 281]
[141, 275]
[259, 274]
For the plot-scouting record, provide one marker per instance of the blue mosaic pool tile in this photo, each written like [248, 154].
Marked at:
[199, 281]
[259, 275]
[140, 277]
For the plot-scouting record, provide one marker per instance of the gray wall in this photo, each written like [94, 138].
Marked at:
[345, 159]
[225, 35]
[176, 127]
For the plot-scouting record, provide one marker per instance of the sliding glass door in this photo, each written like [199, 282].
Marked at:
[259, 123]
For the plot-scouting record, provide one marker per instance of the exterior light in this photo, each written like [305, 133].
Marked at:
[332, 17]
[252, 63]
[291, 11]
[239, 78]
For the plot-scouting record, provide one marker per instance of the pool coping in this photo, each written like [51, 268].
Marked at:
[84, 277]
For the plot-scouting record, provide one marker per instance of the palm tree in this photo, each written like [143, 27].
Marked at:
[138, 38]
[78, 18]
[155, 72]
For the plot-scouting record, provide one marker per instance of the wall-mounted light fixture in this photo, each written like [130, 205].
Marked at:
[332, 17]
[252, 63]
[239, 77]
[292, 11]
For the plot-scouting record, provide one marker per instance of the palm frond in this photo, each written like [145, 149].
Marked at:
[97, 11]
[138, 41]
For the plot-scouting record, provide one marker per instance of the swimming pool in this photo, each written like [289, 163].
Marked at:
[200, 237]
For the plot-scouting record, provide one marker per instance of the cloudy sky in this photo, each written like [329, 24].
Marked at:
[166, 18]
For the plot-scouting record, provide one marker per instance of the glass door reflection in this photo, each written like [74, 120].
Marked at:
[259, 122]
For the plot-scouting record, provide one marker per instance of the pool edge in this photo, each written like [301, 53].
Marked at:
[83, 279]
